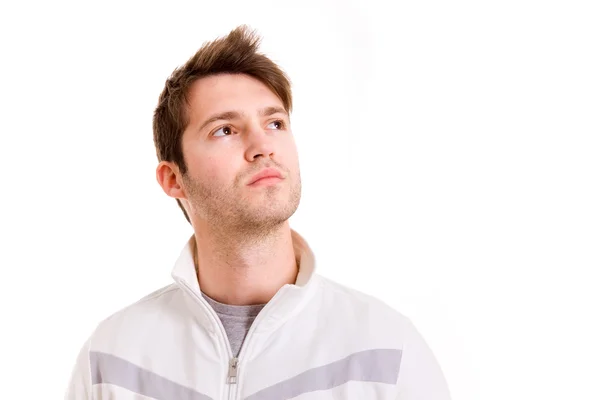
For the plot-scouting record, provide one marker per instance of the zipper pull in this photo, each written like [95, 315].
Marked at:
[233, 364]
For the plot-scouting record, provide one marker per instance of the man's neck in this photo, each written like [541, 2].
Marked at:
[244, 270]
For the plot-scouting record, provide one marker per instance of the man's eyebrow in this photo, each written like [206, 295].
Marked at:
[229, 115]
[265, 112]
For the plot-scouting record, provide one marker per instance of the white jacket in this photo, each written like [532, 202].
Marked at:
[314, 340]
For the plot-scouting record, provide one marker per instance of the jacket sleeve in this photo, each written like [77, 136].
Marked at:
[80, 383]
[420, 376]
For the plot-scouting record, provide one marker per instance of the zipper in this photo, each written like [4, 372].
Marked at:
[233, 370]
[232, 377]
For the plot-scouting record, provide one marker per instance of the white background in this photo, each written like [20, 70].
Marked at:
[450, 165]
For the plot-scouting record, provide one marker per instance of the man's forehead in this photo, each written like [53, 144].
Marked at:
[226, 85]
[209, 98]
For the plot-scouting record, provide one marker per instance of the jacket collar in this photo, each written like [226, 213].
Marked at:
[283, 304]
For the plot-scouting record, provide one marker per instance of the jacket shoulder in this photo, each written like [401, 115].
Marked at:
[350, 301]
[150, 308]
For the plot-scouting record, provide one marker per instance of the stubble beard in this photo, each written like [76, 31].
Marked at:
[241, 211]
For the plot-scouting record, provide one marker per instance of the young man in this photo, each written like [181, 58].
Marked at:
[247, 317]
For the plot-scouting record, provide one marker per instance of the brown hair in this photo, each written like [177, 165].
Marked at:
[235, 53]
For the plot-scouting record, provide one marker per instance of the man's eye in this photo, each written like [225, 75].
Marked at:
[278, 124]
[226, 131]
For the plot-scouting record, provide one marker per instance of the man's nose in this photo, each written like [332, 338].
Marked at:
[260, 142]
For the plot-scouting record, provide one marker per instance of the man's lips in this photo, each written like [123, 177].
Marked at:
[265, 173]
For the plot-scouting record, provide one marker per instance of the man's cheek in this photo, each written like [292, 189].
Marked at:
[218, 173]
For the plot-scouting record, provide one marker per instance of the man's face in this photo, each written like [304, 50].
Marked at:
[237, 128]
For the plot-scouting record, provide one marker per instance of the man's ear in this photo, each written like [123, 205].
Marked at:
[168, 177]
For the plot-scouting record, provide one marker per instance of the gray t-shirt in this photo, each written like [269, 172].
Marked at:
[236, 320]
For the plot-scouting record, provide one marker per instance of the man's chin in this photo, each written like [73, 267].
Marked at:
[268, 216]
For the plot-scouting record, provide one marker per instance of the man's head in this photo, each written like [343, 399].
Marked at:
[222, 118]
